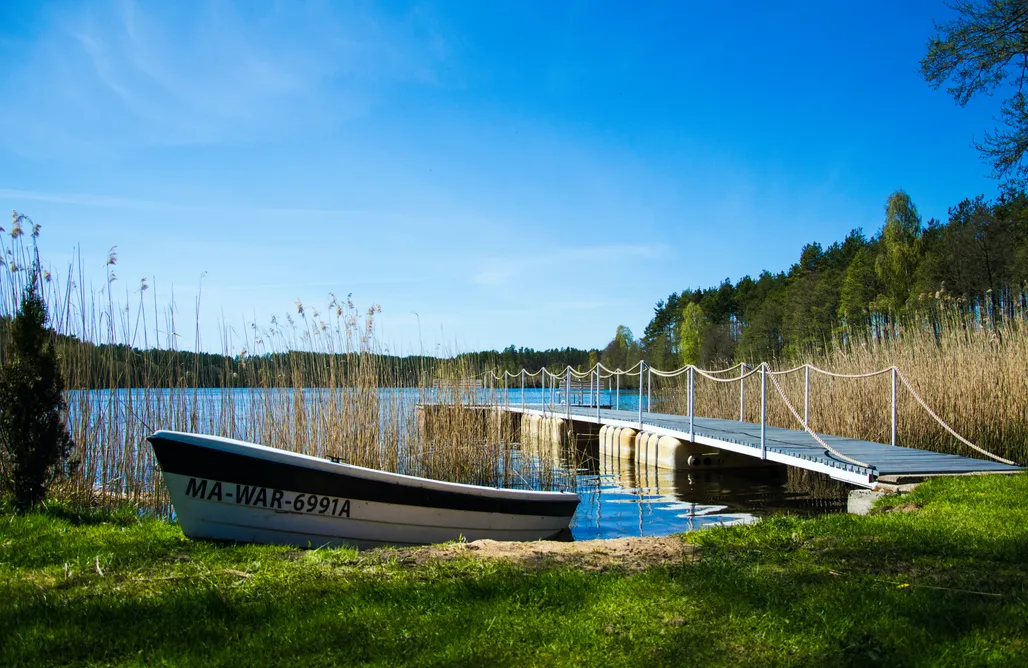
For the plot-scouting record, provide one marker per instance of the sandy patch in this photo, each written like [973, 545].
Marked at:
[632, 554]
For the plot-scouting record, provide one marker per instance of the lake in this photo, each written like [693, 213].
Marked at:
[618, 497]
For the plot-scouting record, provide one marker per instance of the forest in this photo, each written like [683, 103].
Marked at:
[976, 262]
[906, 273]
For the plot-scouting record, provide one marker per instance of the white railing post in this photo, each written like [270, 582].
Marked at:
[806, 394]
[598, 380]
[894, 405]
[742, 391]
[522, 390]
[617, 397]
[567, 395]
[649, 389]
[642, 367]
[590, 391]
[763, 410]
[692, 404]
[542, 389]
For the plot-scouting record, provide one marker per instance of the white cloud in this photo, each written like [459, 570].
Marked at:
[121, 74]
[119, 202]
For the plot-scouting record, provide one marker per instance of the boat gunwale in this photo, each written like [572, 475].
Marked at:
[246, 448]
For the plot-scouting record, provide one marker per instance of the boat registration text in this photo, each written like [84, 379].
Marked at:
[267, 497]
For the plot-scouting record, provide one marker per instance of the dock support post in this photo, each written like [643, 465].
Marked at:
[598, 380]
[742, 391]
[763, 410]
[617, 399]
[642, 367]
[806, 394]
[692, 405]
[894, 405]
[522, 390]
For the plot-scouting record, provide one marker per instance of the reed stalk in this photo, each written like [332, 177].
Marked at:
[310, 382]
[969, 369]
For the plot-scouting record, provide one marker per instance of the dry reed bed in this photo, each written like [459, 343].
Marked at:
[972, 374]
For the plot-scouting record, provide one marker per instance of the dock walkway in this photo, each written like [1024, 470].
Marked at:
[786, 446]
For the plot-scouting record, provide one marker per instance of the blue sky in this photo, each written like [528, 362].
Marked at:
[490, 173]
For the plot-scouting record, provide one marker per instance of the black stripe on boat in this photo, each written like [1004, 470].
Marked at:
[200, 462]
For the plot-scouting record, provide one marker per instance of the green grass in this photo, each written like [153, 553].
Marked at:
[892, 588]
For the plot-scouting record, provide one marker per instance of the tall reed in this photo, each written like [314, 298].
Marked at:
[311, 381]
[968, 369]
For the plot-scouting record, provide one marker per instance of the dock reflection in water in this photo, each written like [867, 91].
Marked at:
[621, 497]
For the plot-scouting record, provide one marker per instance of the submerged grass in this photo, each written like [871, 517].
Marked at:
[944, 583]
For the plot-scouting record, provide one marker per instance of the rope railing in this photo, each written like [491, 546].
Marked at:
[869, 374]
[598, 372]
[806, 427]
[708, 376]
[924, 405]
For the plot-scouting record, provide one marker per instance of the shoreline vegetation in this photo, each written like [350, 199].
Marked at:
[936, 577]
[100, 575]
[963, 353]
[95, 571]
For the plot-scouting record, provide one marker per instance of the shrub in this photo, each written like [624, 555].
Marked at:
[34, 440]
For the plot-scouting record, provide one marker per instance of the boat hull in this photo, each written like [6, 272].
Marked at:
[232, 490]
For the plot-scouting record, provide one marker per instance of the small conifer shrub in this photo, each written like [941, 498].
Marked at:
[34, 441]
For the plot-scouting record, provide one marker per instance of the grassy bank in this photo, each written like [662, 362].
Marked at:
[945, 584]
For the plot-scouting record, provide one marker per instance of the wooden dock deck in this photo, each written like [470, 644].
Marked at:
[786, 446]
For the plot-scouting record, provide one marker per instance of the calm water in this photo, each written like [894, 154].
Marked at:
[620, 498]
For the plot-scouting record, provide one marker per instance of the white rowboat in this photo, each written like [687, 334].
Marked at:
[232, 490]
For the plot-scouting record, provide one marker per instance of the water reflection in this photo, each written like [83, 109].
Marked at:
[621, 497]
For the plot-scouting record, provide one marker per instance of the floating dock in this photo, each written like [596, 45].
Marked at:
[671, 443]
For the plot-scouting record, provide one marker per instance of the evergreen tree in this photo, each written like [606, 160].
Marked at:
[693, 327]
[34, 441]
[897, 263]
[859, 289]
